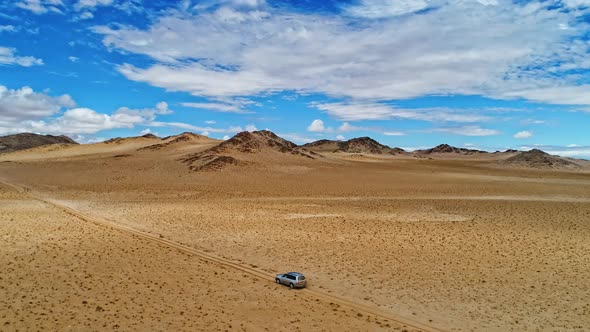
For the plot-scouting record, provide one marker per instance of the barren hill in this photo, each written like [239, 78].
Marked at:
[538, 159]
[121, 140]
[172, 140]
[234, 151]
[445, 148]
[28, 140]
[354, 145]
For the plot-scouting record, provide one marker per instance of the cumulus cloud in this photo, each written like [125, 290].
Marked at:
[24, 110]
[347, 127]
[8, 57]
[73, 59]
[523, 134]
[340, 138]
[17, 105]
[162, 108]
[88, 121]
[442, 50]
[316, 126]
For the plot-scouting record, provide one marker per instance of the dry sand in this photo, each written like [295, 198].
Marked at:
[454, 244]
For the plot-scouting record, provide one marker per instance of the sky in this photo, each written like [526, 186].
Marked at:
[483, 74]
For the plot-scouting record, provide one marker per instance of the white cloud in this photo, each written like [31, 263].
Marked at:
[386, 8]
[296, 138]
[394, 133]
[8, 57]
[577, 3]
[316, 126]
[523, 134]
[187, 126]
[24, 104]
[568, 95]
[86, 15]
[251, 127]
[468, 131]
[456, 47]
[162, 108]
[356, 111]
[41, 6]
[147, 131]
[225, 137]
[210, 122]
[91, 4]
[217, 107]
[346, 127]
[205, 133]
[24, 110]
[88, 121]
[73, 59]
[8, 28]
[340, 138]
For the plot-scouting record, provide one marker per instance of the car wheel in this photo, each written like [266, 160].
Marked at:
[291, 286]
[277, 281]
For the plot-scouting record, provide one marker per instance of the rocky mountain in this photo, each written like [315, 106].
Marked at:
[172, 140]
[28, 140]
[365, 145]
[445, 148]
[244, 143]
[539, 159]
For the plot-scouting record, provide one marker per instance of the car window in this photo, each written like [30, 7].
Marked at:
[301, 278]
[290, 277]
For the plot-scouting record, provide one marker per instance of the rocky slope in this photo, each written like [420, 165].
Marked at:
[538, 159]
[365, 145]
[445, 148]
[28, 140]
[232, 151]
[173, 140]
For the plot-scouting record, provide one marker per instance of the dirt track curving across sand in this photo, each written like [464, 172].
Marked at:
[241, 267]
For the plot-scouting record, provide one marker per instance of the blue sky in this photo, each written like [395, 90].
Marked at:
[487, 74]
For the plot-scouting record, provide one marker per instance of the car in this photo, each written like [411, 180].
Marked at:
[291, 279]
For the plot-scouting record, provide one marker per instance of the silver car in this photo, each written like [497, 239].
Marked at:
[291, 279]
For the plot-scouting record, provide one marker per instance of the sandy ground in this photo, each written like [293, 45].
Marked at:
[454, 244]
[61, 273]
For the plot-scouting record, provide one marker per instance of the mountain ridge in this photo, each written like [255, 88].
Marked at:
[23, 141]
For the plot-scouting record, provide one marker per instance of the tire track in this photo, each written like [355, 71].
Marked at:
[222, 261]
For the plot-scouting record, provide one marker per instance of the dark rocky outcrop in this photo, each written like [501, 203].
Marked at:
[24, 141]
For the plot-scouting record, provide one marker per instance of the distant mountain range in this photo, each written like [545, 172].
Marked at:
[235, 151]
[355, 145]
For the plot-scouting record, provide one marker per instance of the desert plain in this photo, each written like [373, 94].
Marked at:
[150, 234]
